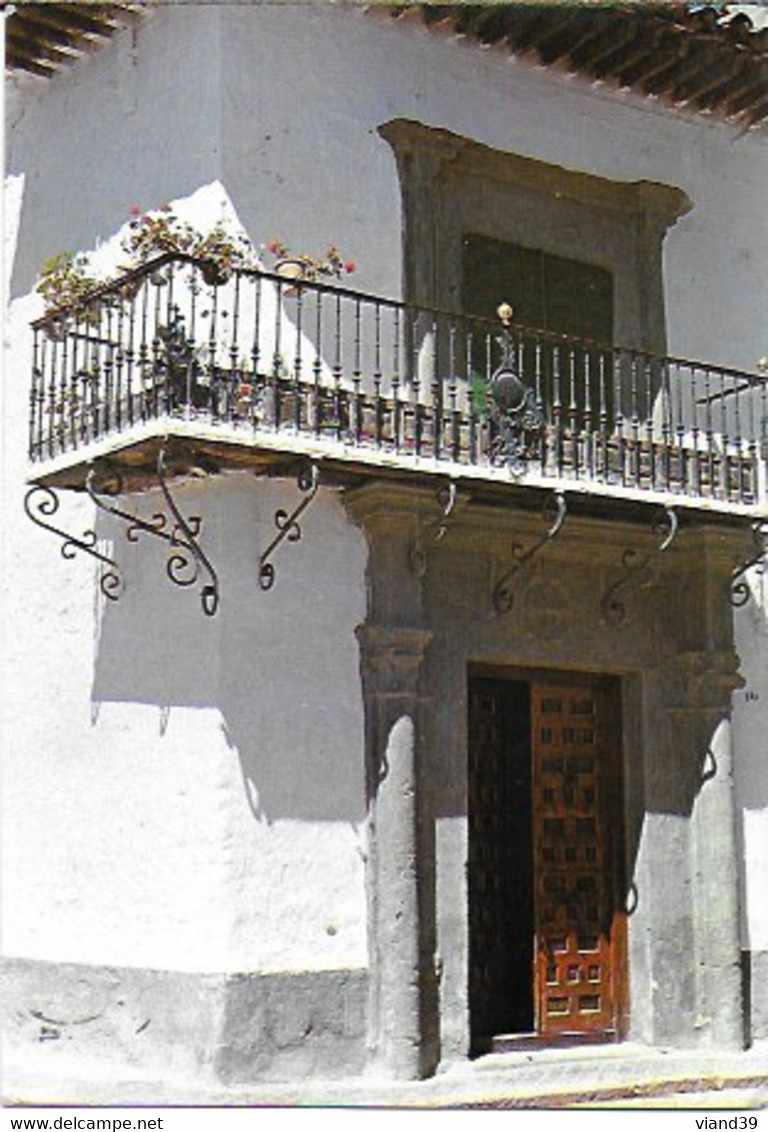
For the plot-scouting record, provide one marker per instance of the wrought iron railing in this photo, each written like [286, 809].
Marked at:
[257, 356]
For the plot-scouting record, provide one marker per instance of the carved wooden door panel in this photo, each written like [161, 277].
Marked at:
[580, 945]
[547, 930]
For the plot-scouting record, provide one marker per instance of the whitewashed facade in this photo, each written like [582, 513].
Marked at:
[187, 837]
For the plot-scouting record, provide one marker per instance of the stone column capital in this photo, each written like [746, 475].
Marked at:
[392, 657]
[702, 680]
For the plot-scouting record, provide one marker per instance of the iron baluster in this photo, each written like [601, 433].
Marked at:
[377, 377]
[396, 350]
[146, 360]
[74, 396]
[107, 367]
[709, 433]
[573, 420]
[603, 419]
[317, 366]
[338, 372]
[453, 393]
[436, 389]
[415, 389]
[357, 376]
[277, 360]
[695, 434]
[635, 421]
[32, 447]
[256, 406]
[684, 470]
[738, 444]
[539, 386]
[618, 403]
[725, 456]
[130, 358]
[587, 415]
[237, 374]
[557, 409]
[297, 361]
[647, 403]
[666, 438]
[51, 399]
[473, 392]
[60, 426]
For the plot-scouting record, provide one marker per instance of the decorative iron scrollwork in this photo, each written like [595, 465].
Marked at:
[184, 537]
[503, 596]
[667, 526]
[637, 566]
[741, 591]
[287, 524]
[41, 503]
[514, 414]
[183, 566]
[637, 572]
[447, 494]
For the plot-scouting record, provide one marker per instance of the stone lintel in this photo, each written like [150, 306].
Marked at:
[409, 138]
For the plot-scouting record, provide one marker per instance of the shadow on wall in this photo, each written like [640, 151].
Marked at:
[282, 667]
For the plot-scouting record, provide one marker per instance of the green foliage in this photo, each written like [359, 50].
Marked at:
[64, 280]
[479, 395]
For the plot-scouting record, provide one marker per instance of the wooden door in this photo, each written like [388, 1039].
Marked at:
[547, 931]
[578, 838]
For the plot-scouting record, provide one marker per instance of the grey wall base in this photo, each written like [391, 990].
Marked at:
[756, 967]
[233, 1028]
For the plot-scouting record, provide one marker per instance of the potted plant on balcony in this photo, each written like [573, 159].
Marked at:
[302, 267]
[65, 283]
[160, 231]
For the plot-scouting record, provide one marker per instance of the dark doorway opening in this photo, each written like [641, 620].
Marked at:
[500, 860]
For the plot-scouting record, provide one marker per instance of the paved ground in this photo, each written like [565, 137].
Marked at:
[619, 1076]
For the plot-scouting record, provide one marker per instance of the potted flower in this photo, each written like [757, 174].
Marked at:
[222, 252]
[65, 283]
[157, 232]
[290, 265]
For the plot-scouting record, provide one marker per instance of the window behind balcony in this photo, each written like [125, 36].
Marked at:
[545, 291]
[549, 293]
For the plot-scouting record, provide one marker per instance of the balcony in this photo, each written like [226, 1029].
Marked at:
[257, 370]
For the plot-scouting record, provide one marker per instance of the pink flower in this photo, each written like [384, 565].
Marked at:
[134, 210]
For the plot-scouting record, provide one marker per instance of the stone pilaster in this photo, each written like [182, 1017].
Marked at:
[402, 1017]
[401, 936]
[697, 962]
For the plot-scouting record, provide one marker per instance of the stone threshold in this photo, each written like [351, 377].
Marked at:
[607, 1077]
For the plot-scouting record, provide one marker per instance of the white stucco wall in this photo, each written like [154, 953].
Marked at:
[283, 104]
[181, 792]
